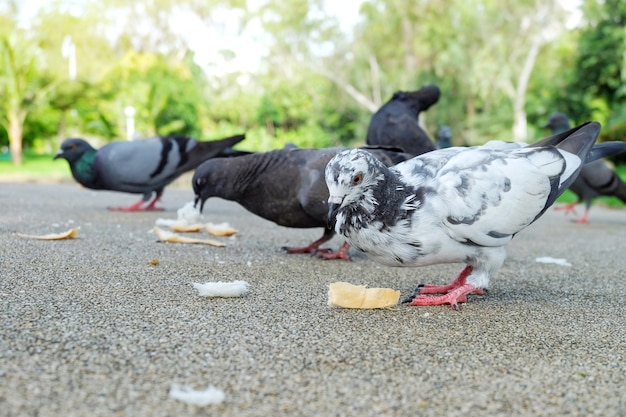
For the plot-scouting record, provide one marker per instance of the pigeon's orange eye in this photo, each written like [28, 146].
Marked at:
[357, 179]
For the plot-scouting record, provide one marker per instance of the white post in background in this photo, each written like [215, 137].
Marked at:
[129, 111]
[68, 50]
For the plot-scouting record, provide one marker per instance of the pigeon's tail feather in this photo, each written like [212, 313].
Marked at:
[558, 138]
[580, 140]
[573, 145]
[427, 96]
[214, 148]
[605, 150]
[420, 100]
[220, 144]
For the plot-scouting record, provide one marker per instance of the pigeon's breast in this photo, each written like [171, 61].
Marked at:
[390, 245]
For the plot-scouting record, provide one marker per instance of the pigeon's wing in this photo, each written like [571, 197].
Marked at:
[313, 192]
[139, 165]
[486, 196]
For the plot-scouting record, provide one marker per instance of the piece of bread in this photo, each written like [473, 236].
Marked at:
[52, 236]
[344, 294]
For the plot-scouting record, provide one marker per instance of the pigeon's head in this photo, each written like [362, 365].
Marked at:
[206, 182]
[73, 149]
[558, 122]
[351, 177]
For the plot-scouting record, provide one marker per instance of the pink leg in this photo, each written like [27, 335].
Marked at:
[137, 206]
[567, 208]
[322, 253]
[312, 248]
[454, 297]
[454, 293]
[342, 253]
[437, 289]
[134, 207]
[584, 219]
[151, 206]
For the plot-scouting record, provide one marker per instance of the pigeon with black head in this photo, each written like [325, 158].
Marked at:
[285, 186]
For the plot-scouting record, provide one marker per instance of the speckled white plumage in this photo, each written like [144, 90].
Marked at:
[452, 205]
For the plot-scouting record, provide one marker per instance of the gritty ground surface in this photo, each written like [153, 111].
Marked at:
[91, 327]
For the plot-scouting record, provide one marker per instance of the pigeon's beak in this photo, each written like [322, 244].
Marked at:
[334, 203]
[201, 200]
[58, 155]
[198, 184]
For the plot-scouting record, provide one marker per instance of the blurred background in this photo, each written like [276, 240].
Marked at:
[308, 72]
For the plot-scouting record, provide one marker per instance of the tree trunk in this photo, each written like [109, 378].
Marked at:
[61, 129]
[519, 101]
[15, 131]
[543, 17]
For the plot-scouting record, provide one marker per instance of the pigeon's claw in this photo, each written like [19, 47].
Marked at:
[328, 254]
[314, 249]
[584, 219]
[567, 208]
[133, 207]
[152, 205]
[444, 289]
[138, 206]
[454, 297]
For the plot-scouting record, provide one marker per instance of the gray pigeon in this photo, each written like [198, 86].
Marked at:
[396, 122]
[595, 180]
[444, 137]
[285, 186]
[453, 205]
[143, 166]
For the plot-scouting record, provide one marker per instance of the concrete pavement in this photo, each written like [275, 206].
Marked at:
[91, 327]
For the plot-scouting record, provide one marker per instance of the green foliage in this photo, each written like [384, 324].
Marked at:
[313, 136]
[318, 82]
[600, 77]
[36, 164]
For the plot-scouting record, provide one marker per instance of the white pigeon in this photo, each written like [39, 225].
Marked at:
[453, 205]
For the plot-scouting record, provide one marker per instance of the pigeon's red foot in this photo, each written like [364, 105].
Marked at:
[328, 254]
[314, 248]
[454, 297]
[134, 207]
[137, 207]
[567, 208]
[152, 206]
[583, 220]
[454, 293]
[443, 289]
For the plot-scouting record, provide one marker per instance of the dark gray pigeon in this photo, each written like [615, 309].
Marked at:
[142, 166]
[396, 123]
[453, 205]
[285, 186]
[596, 179]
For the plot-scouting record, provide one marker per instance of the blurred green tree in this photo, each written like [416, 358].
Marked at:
[23, 85]
[601, 61]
